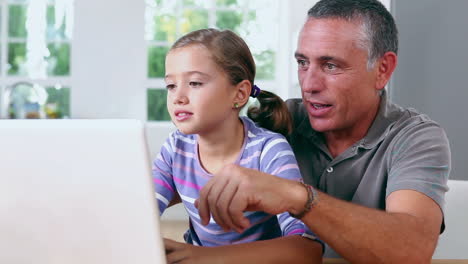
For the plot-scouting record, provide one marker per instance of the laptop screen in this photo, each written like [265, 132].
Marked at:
[77, 191]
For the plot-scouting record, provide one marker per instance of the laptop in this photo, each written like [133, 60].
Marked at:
[77, 191]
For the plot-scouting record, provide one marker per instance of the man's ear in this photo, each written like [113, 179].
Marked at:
[242, 92]
[386, 65]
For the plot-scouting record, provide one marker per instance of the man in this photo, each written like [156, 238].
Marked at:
[376, 172]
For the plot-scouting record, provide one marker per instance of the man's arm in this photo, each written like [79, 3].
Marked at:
[406, 232]
[290, 249]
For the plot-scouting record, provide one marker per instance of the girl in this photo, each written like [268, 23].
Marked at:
[209, 77]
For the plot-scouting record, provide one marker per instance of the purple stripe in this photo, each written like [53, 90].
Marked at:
[190, 170]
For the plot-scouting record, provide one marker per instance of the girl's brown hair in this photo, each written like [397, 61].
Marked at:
[231, 53]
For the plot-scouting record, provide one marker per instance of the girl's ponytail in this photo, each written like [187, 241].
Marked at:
[272, 113]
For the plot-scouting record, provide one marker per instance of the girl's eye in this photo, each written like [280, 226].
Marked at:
[170, 86]
[195, 84]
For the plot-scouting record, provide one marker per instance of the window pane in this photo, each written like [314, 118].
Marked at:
[157, 107]
[16, 58]
[265, 62]
[52, 32]
[17, 21]
[226, 3]
[165, 28]
[58, 102]
[228, 20]
[193, 20]
[156, 61]
[59, 59]
[197, 3]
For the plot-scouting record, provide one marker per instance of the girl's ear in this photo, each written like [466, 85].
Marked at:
[242, 93]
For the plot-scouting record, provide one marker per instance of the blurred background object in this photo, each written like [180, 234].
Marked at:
[23, 100]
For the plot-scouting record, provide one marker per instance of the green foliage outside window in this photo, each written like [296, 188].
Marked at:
[193, 20]
[157, 107]
[226, 2]
[59, 59]
[52, 32]
[228, 20]
[156, 61]
[17, 21]
[16, 58]
[58, 102]
[265, 62]
[165, 28]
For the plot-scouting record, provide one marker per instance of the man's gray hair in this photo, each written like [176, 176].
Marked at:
[379, 32]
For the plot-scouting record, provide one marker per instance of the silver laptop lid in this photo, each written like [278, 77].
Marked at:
[77, 191]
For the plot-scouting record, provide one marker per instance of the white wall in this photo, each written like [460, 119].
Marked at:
[108, 60]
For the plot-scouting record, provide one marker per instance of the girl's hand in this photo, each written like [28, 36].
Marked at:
[182, 253]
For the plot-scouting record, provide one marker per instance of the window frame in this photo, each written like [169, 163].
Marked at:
[8, 80]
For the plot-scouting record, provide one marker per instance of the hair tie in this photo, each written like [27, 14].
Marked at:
[255, 91]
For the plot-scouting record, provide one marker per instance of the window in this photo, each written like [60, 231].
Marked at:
[255, 21]
[35, 37]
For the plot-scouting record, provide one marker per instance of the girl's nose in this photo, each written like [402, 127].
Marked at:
[180, 96]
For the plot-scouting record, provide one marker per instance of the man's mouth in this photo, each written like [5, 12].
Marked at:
[320, 106]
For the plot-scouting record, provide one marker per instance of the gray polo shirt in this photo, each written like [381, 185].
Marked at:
[403, 149]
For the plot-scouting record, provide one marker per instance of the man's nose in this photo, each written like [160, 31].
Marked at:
[311, 81]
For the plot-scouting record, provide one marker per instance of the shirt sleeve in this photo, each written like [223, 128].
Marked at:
[162, 175]
[278, 159]
[420, 161]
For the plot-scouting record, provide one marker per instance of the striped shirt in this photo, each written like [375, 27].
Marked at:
[177, 168]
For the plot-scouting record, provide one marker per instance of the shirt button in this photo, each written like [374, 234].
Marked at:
[330, 169]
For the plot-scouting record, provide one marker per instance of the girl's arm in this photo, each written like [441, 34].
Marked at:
[291, 249]
[175, 200]
[164, 186]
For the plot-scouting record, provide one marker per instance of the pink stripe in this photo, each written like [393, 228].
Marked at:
[248, 159]
[164, 184]
[284, 167]
[186, 183]
[169, 176]
[296, 231]
[184, 153]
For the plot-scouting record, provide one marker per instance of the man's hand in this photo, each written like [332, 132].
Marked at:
[234, 190]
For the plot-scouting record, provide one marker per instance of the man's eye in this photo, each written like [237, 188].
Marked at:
[302, 64]
[330, 66]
